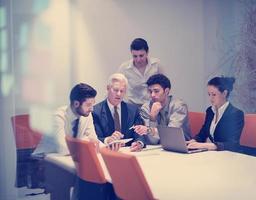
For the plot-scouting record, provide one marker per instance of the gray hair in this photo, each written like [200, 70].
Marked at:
[117, 77]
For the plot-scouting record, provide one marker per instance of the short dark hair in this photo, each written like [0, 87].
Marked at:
[159, 79]
[223, 83]
[81, 92]
[139, 44]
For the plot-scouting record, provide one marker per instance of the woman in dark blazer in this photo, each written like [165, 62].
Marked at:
[223, 123]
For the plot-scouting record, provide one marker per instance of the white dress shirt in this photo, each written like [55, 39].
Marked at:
[221, 110]
[63, 121]
[112, 110]
[137, 91]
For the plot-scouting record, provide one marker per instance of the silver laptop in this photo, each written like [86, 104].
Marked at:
[173, 139]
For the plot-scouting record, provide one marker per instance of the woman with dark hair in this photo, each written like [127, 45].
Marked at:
[223, 123]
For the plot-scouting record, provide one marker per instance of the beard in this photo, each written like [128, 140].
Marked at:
[80, 112]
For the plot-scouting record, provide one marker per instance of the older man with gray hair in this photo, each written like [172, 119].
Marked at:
[113, 118]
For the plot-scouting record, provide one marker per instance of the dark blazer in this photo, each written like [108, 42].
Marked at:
[228, 130]
[104, 122]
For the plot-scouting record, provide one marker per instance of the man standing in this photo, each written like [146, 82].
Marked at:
[163, 109]
[113, 118]
[138, 70]
[74, 119]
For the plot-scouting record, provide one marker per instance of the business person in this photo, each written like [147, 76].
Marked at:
[74, 119]
[113, 118]
[162, 109]
[223, 122]
[138, 70]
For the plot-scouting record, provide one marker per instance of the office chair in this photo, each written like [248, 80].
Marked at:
[92, 182]
[29, 170]
[127, 177]
[196, 121]
[248, 136]
[25, 137]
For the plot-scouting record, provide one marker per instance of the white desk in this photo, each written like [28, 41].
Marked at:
[208, 175]
[67, 163]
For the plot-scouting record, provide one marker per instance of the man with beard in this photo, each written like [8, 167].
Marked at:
[74, 119]
[163, 109]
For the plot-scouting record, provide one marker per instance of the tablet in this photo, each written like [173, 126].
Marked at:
[121, 141]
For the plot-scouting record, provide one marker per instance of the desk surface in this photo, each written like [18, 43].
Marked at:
[208, 175]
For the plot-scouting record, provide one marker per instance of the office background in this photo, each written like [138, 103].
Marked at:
[47, 46]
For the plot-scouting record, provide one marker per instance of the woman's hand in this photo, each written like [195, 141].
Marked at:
[190, 141]
[200, 145]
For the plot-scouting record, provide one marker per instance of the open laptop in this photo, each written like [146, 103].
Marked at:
[172, 139]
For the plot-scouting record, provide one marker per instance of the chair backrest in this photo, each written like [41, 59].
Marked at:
[248, 136]
[25, 137]
[127, 177]
[196, 121]
[86, 160]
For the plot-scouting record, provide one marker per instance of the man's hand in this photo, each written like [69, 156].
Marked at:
[155, 109]
[115, 146]
[136, 146]
[140, 129]
[115, 136]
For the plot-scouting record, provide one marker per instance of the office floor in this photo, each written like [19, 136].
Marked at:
[32, 194]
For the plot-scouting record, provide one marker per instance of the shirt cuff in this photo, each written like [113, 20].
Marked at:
[153, 123]
[142, 144]
[105, 141]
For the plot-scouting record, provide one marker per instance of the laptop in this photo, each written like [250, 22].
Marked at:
[173, 139]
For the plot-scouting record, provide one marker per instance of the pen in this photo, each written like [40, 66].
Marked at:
[131, 127]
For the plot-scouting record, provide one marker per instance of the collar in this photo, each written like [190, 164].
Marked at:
[165, 109]
[72, 116]
[111, 107]
[222, 109]
[150, 62]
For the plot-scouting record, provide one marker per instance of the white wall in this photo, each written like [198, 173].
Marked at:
[174, 30]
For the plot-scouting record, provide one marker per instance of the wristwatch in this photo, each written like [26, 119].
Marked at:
[150, 130]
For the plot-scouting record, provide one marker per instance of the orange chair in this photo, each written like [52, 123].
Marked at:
[92, 184]
[196, 121]
[25, 137]
[248, 136]
[127, 176]
[29, 170]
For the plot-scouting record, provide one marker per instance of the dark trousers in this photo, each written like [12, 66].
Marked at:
[29, 170]
[90, 191]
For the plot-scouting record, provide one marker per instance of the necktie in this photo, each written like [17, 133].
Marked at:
[160, 118]
[116, 120]
[75, 127]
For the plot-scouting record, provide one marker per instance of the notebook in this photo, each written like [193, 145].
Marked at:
[173, 139]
